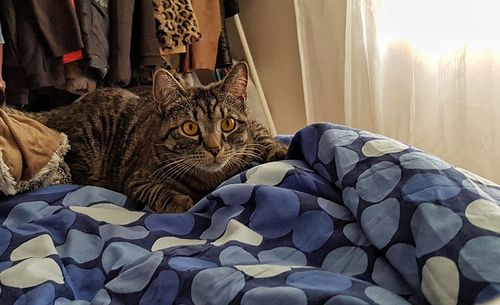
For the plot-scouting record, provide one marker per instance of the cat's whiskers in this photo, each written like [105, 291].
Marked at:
[239, 159]
[237, 162]
[253, 144]
[241, 162]
[248, 153]
[174, 167]
[253, 147]
[181, 173]
[170, 168]
[171, 173]
[249, 150]
[186, 171]
[182, 163]
[167, 163]
[171, 160]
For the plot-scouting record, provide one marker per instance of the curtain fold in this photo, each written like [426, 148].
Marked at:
[420, 72]
[320, 33]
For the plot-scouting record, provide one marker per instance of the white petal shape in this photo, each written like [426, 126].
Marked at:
[32, 272]
[263, 270]
[268, 174]
[484, 214]
[109, 213]
[40, 246]
[440, 281]
[171, 241]
[239, 232]
[377, 148]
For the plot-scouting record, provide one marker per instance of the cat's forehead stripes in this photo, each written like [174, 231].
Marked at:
[214, 105]
[207, 105]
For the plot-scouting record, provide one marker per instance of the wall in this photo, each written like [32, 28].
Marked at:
[271, 32]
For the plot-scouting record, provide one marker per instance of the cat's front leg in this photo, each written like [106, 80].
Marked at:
[171, 202]
[270, 149]
[275, 151]
[162, 200]
[158, 196]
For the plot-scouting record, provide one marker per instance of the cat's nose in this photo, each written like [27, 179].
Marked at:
[214, 150]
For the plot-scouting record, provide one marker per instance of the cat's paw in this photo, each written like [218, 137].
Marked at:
[278, 152]
[179, 204]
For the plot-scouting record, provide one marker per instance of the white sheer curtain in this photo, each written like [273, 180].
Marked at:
[424, 72]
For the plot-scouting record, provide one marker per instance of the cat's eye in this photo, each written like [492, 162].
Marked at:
[228, 124]
[190, 128]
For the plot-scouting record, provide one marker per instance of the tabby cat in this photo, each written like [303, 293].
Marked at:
[167, 149]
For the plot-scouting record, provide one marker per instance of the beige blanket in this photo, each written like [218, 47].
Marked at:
[31, 154]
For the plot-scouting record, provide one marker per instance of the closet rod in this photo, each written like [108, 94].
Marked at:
[254, 75]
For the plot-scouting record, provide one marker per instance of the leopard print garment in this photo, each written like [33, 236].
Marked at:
[176, 23]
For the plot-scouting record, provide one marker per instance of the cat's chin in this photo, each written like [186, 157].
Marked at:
[214, 167]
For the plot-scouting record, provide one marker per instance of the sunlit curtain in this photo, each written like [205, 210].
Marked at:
[424, 72]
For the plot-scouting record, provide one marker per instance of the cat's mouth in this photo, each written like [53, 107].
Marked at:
[214, 163]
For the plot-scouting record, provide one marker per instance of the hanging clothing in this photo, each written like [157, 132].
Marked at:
[58, 25]
[203, 54]
[75, 55]
[2, 41]
[133, 39]
[38, 33]
[93, 16]
[231, 8]
[224, 59]
[176, 25]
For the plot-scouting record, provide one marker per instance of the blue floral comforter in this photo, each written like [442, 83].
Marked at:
[352, 218]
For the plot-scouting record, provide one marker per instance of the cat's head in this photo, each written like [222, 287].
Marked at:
[204, 128]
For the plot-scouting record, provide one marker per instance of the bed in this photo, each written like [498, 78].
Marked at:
[349, 218]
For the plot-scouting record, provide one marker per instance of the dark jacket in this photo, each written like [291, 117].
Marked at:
[94, 19]
[37, 33]
[133, 39]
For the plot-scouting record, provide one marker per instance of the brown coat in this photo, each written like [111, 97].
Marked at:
[203, 54]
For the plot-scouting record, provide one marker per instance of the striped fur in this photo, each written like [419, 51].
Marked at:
[134, 143]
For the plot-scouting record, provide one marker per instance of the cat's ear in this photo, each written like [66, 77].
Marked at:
[166, 89]
[236, 82]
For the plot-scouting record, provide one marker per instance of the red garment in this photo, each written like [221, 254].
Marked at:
[73, 56]
[76, 55]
